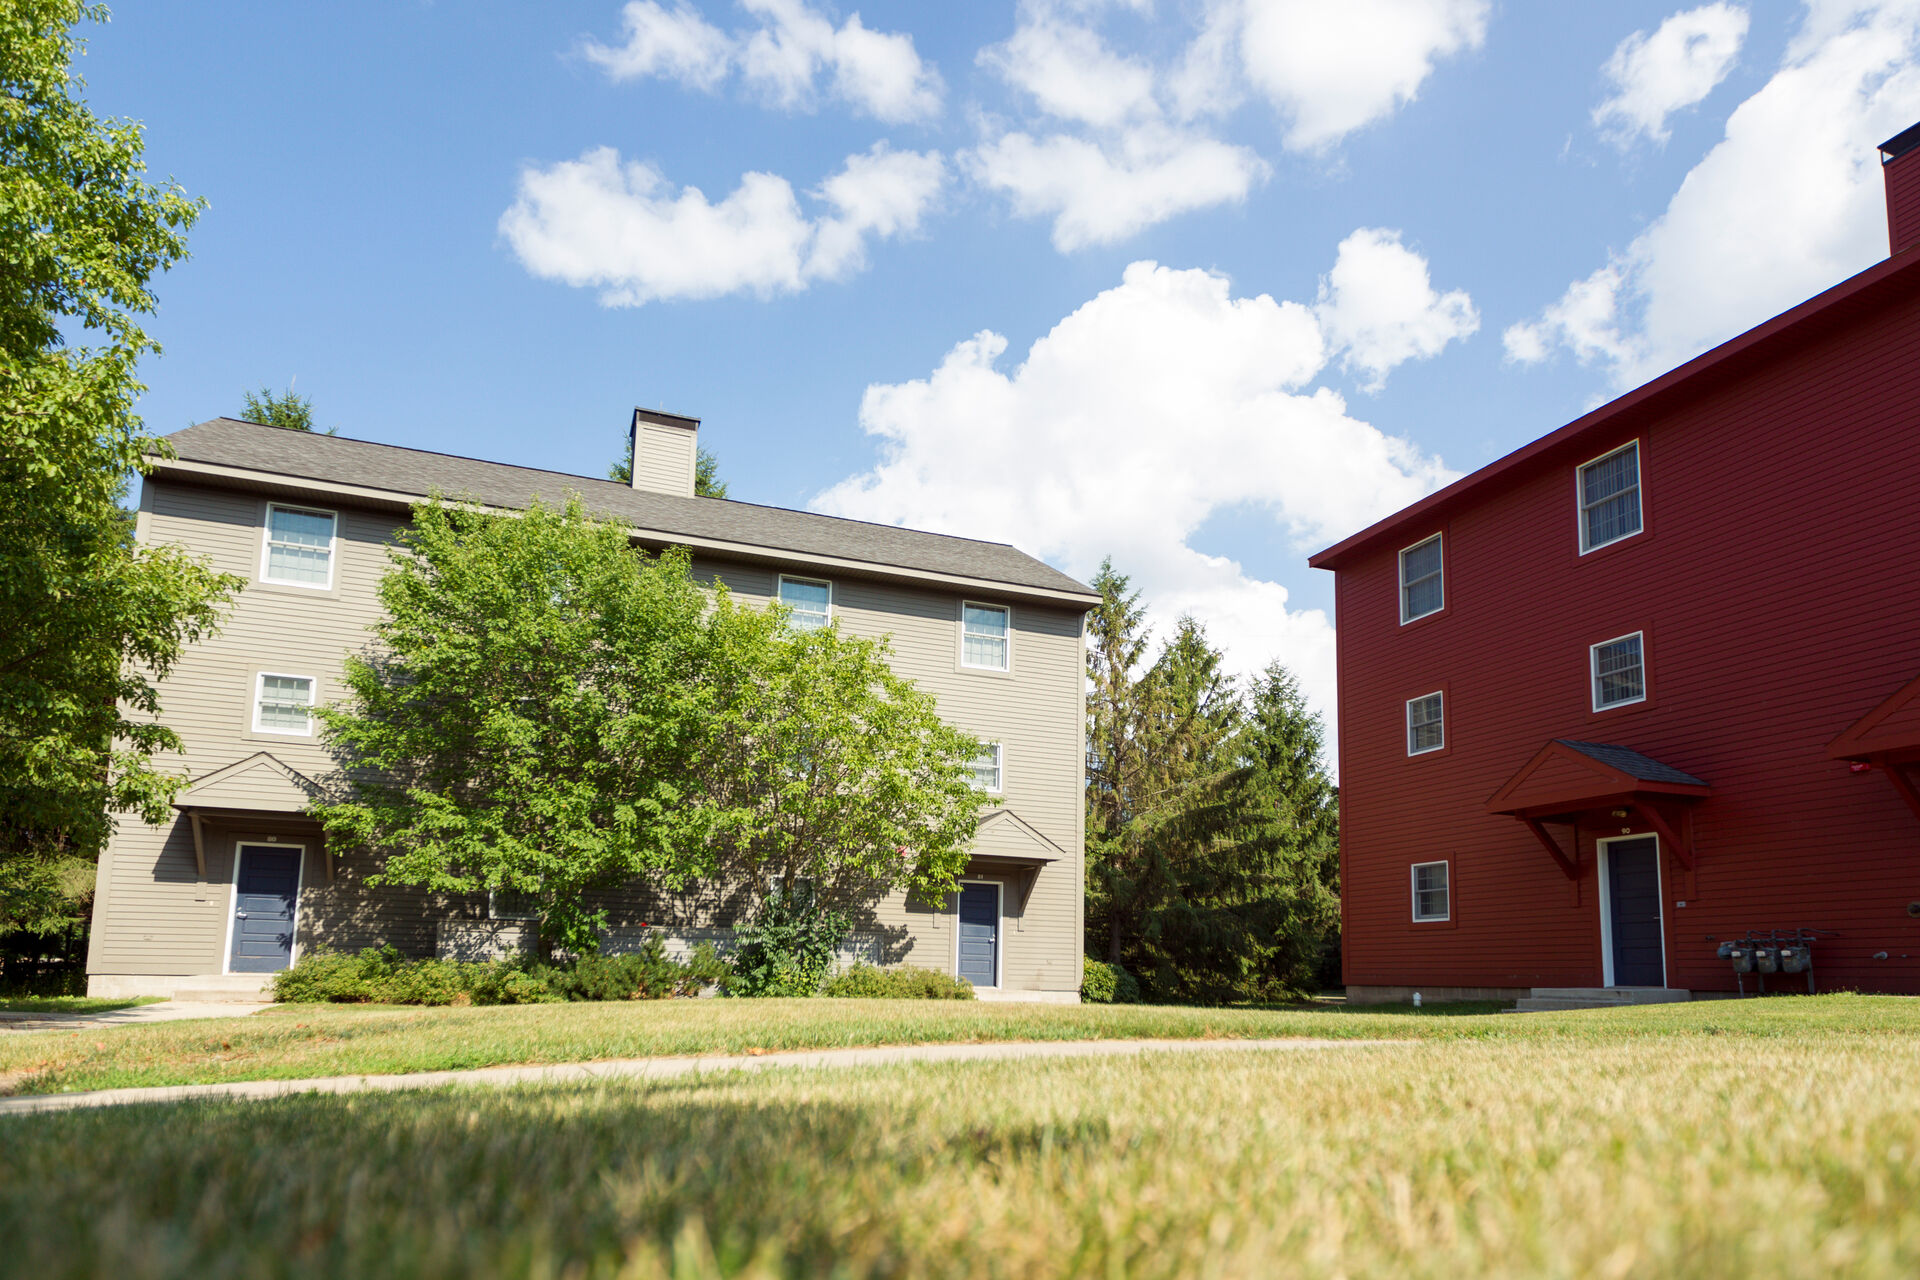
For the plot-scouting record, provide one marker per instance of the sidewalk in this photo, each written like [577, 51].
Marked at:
[165, 1011]
[665, 1069]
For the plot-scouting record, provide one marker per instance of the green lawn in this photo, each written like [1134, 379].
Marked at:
[71, 1004]
[1777, 1138]
[295, 1041]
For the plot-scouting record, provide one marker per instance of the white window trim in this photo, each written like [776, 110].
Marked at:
[999, 767]
[999, 933]
[259, 694]
[1413, 888]
[981, 604]
[495, 915]
[1437, 693]
[266, 546]
[781, 579]
[1580, 496]
[1593, 673]
[299, 884]
[1405, 617]
[1602, 857]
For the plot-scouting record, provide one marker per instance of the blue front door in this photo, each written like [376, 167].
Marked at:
[1633, 908]
[980, 934]
[267, 885]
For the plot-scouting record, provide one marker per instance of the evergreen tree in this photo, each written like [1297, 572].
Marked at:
[289, 412]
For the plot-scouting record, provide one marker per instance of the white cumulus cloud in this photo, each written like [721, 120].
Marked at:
[783, 57]
[624, 229]
[1101, 190]
[1655, 75]
[1789, 202]
[1333, 68]
[1378, 306]
[1159, 403]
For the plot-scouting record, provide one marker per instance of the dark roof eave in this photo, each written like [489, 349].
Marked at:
[1789, 325]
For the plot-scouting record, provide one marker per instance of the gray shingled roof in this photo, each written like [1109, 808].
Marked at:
[1632, 763]
[299, 455]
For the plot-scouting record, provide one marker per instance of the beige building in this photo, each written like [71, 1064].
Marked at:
[241, 882]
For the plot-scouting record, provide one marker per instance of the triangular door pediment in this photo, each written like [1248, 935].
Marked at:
[1892, 728]
[1004, 834]
[260, 783]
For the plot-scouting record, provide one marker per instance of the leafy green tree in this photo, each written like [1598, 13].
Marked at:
[706, 473]
[289, 411]
[89, 620]
[552, 712]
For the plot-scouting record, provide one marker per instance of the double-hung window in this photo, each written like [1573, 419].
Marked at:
[299, 547]
[1426, 724]
[1431, 900]
[1619, 671]
[986, 767]
[512, 904]
[809, 602]
[1610, 498]
[983, 637]
[1422, 585]
[283, 704]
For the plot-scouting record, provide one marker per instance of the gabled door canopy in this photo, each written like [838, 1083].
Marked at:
[1565, 779]
[1888, 737]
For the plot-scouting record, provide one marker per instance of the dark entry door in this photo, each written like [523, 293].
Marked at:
[980, 934]
[1633, 903]
[266, 888]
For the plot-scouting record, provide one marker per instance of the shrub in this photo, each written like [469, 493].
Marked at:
[382, 975]
[646, 974]
[909, 982]
[1103, 983]
[788, 948]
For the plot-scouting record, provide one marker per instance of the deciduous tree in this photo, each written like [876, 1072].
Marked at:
[552, 712]
[89, 620]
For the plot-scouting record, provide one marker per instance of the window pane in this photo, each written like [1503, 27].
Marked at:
[1610, 497]
[1420, 561]
[306, 528]
[299, 545]
[1425, 724]
[808, 602]
[1430, 891]
[1423, 597]
[986, 622]
[986, 768]
[285, 703]
[984, 637]
[1618, 674]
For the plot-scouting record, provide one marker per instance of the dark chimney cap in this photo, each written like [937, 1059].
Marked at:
[1899, 144]
[661, 418]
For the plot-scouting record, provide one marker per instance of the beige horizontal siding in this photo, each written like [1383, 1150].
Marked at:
[153, 916]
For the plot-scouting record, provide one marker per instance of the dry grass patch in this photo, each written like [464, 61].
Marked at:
[1787, 1155]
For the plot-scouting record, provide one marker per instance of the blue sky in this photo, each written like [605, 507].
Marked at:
[1394, 240]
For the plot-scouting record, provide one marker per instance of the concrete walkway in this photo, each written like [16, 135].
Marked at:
[165, 1011]
[666, 1069]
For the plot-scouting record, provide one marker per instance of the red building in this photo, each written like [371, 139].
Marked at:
[1653, 681]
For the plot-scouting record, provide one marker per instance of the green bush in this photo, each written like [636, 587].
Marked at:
[646, 974]
[382, 975]
[788, 948]
[908, 982]
[1103, 983]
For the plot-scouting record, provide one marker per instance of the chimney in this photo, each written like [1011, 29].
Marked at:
[665, 446]
[1900, 162]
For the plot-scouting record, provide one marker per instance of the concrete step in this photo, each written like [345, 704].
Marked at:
[225, 988]
[1553, 999]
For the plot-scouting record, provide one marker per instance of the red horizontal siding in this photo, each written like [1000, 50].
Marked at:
[1778, 583]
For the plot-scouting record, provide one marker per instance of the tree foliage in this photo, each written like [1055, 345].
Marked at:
[706, 472]
[287, 410]
[1212, 827]
[89, 620]
[551, 712]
